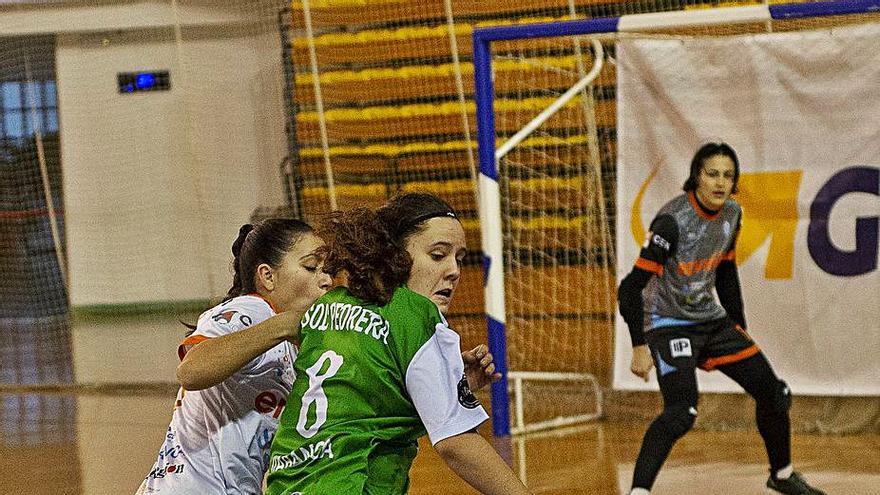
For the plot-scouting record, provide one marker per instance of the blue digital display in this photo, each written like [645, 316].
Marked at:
[135, 82]
[145, 80]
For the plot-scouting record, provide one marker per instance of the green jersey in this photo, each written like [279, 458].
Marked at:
[370, 380]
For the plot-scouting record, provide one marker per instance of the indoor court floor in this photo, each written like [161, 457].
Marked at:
[105, 443]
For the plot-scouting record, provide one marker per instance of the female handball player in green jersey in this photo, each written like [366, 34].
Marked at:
[378, 367]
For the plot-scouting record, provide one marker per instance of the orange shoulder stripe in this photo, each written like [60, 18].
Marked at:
[650, 266]
[188, 344]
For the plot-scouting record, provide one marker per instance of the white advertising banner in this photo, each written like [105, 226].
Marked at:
[802, 111]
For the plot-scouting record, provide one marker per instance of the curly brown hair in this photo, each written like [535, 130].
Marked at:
[356, 241]
[370, 246]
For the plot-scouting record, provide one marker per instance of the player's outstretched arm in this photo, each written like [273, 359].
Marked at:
[475, 461]
[214, 360]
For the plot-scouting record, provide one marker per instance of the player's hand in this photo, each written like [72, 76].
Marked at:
[479, 366]
[642, 363]
[287, 322]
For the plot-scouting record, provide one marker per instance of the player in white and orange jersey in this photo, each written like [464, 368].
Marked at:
[233, 389]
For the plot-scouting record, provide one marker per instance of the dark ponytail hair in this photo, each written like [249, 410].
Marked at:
[708, 151]
[265, 242]
[371, 245]
[243, 232]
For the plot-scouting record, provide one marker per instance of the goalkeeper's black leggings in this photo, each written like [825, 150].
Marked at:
[679, 388]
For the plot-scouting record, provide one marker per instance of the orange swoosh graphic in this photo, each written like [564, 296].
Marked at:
[635, 221]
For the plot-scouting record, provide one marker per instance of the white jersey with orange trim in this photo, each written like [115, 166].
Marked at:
[219, 437]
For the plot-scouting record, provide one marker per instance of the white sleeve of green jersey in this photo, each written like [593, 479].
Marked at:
[436, 383]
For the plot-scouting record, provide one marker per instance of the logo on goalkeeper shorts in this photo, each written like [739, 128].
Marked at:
[465, 397]
[680, 348]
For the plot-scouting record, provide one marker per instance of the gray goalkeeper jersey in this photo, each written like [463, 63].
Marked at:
[683, 249]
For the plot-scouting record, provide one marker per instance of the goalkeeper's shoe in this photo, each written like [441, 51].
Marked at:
[793, 485]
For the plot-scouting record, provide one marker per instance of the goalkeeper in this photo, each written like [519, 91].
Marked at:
[676, 324]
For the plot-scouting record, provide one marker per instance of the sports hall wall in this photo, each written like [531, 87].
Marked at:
[164, 172]
[154, 184]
